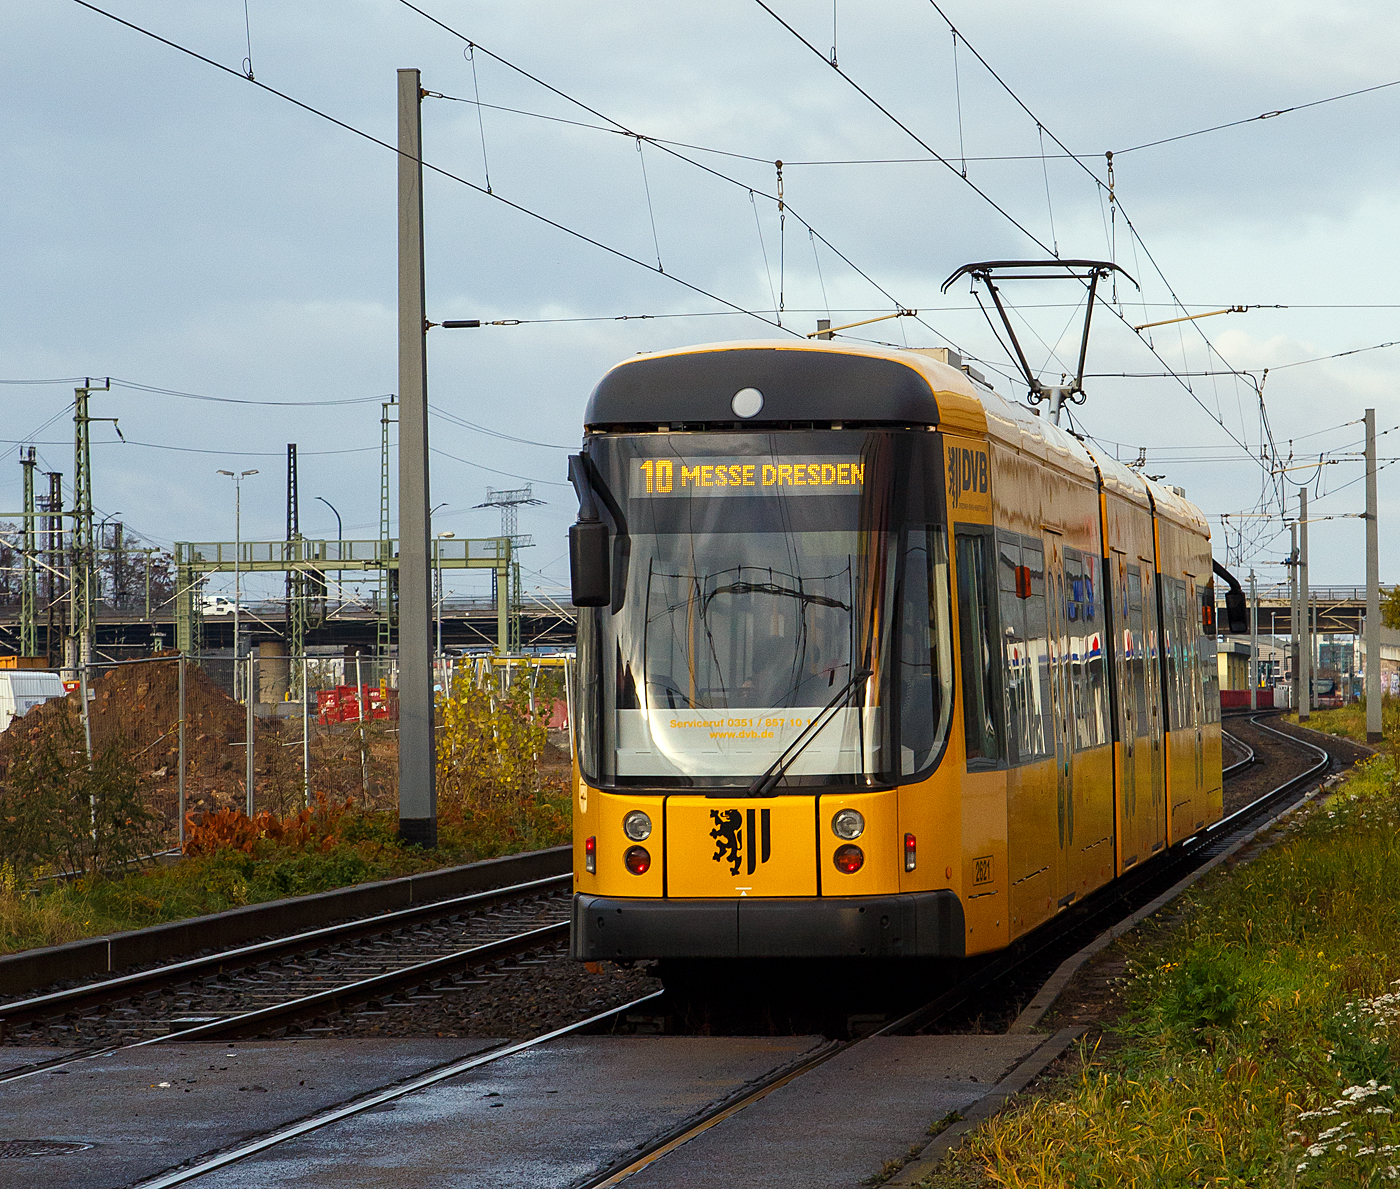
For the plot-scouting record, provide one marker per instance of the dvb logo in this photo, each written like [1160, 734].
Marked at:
[967, 473]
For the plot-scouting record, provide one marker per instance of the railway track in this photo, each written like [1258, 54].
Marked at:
[287, 981]
[520, 931]
[1037, 957]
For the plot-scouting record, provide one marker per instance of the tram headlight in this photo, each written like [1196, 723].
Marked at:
[637, 859]
[848, 824]
[637, 826]
[590, 854]
[848, 859]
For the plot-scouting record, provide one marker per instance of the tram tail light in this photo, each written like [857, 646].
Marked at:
[637, 859]
[590, 855]
[911, 852]
[848, 859]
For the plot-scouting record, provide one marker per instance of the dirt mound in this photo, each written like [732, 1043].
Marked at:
[138, 706]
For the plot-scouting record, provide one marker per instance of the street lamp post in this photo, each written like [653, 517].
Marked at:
[237, 551]
[339, 532]
[437, 560]
[441, 594]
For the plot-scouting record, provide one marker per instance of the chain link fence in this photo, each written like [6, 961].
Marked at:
[166, 739]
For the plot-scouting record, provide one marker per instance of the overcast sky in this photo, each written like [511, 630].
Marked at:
[176, 227]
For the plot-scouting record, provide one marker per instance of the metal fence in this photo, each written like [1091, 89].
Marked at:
[315, 724]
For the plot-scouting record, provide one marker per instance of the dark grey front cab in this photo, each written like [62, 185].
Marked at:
[916, 925]
[802, 385]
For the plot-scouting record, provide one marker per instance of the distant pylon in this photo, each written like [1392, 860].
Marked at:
[508, 502]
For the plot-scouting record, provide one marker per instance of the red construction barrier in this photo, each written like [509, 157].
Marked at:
[1238, 699]
[342, 704]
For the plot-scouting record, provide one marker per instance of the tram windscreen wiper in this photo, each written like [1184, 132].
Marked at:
[764, 785]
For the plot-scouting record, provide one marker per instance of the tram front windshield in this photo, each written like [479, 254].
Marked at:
[754, 581]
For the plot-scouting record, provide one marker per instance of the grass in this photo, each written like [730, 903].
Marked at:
[1349, 722]
[357, 846]
[1260, 1043]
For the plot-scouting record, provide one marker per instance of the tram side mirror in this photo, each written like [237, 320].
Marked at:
[588, 564]
[1236, 603]
[1237, 611]
[589, 578]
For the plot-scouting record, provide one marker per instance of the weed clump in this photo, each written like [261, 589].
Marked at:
[493, 793]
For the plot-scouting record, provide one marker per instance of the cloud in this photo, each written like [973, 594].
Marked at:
[174, 225]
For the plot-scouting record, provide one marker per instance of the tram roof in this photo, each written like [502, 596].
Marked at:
[807, 381]
[801, 381]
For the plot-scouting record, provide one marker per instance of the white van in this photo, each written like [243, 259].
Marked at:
[23, 689]
[219, 605]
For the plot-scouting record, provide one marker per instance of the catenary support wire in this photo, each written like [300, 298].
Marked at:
[248, 41]
[646, 185]
[470, 51]
[772, 293]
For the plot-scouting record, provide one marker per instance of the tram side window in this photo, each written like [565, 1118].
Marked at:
[981, 658]
[1019, 675]
[589, 713]
[1083, 615]
[926, 655]
[1040, 728]
[1138, 663]
[1024, 646]
[1095, 625]
[1171, 648]
[1074, 631]
[1206, 656]
[1183, 654]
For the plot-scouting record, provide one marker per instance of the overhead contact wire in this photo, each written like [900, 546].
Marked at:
[903, 127]
[437, 169]
[666, 147]
[1136, 237]
[646, 185]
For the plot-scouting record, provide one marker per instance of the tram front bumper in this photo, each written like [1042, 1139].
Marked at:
[914, 925]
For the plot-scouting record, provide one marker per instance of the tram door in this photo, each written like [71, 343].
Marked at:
[1061, 709]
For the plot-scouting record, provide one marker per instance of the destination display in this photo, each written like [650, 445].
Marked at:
[822, 474]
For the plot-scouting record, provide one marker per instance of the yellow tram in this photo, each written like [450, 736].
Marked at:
[871, 661]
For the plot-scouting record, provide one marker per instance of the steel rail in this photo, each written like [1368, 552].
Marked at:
[669, 1141]
[376, 1098]
[673, 1139]
[1235, 769]
[336, 999]
[1256, 806]
[142, 982]
[1102, 901]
